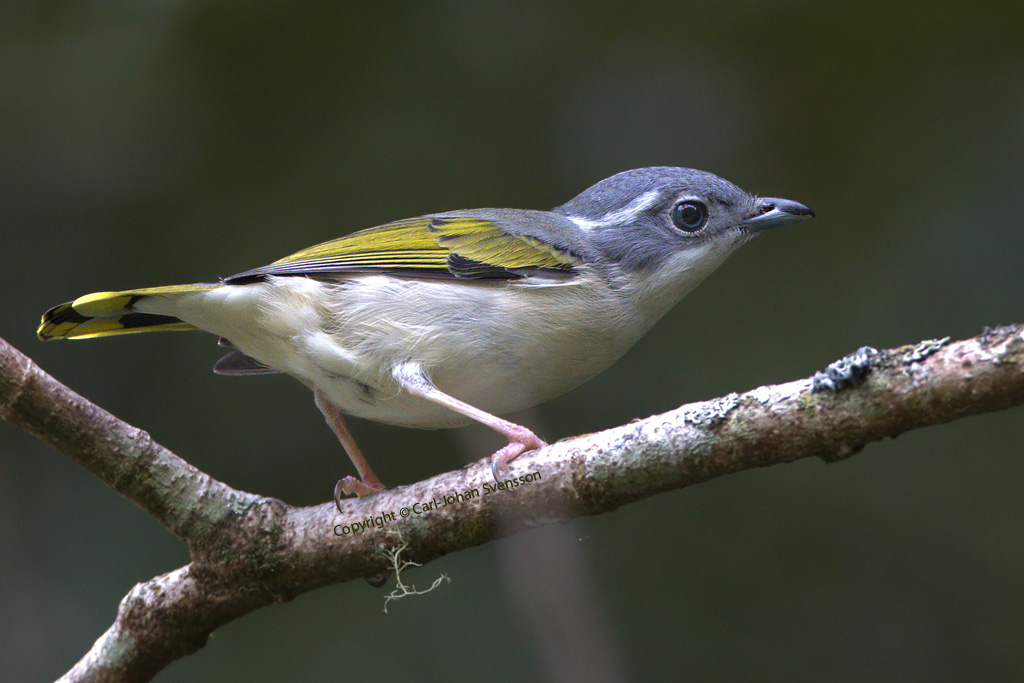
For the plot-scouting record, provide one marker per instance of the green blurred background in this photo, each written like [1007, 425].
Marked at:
[146, 143]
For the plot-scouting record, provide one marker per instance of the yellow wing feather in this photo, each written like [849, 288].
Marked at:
[447, 246]
[486, 242]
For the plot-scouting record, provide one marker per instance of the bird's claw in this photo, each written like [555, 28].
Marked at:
[349, 485]
[527, 441]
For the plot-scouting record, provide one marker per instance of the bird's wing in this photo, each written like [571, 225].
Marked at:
[443, 246]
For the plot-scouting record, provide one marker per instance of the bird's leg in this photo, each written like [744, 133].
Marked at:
[368, 483]
[520, 439]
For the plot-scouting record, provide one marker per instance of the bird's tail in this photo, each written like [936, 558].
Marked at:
[103, 314]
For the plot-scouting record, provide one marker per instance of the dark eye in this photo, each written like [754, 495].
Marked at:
[689, 216]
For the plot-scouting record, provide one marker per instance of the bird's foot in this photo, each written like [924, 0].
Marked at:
[360, 487]
[521, 440]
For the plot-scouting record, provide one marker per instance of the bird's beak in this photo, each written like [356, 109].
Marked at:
[775, 213]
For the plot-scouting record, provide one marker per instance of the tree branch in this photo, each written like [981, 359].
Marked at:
[248, 550]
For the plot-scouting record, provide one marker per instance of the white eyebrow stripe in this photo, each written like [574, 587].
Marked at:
[641, 203]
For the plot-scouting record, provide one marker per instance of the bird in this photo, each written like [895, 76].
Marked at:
[458, 317]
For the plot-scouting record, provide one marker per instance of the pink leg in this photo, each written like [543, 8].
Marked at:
[368, 483]
[520, 439]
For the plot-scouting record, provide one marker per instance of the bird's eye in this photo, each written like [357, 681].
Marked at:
[689, 216]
